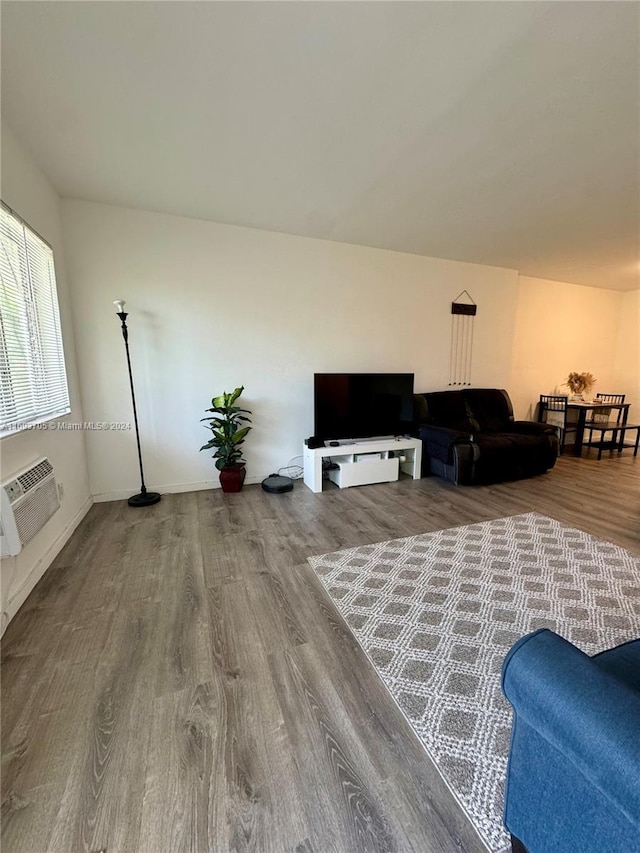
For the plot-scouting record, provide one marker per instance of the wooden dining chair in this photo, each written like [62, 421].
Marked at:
[610, 398]
[608, 425]
[552, 409]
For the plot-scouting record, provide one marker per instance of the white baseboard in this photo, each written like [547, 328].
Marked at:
[172, 489]
[15, 602]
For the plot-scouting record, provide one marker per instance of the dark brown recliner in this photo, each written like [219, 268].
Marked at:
[469, 436]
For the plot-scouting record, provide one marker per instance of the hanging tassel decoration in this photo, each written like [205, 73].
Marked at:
[461, 354]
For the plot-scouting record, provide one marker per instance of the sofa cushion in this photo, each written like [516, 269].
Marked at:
[448, 409]
[489, 408]
[509, 456]
[535, 452]
[497, 458]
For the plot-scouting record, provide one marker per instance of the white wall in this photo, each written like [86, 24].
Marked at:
[214, 306]
[27, 191]
[627, 352]
[562, 328]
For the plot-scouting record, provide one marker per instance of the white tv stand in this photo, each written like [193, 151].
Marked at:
[352, 472]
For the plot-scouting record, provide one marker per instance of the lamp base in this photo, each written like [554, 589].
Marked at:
[144, 499]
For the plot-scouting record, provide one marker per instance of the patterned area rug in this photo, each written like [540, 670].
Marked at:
[437, 613]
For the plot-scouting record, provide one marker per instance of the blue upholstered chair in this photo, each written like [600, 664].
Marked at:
[573, 780]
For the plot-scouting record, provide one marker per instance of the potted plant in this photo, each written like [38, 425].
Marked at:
[580, 384]
[226, 424]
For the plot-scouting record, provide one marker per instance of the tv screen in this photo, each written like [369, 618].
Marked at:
[362, 405]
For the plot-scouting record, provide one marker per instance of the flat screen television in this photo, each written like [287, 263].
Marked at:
[362, 405]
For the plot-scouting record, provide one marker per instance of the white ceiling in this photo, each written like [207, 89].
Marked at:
[502, 133]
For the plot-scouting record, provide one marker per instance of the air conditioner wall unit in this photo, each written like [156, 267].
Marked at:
[27, 501]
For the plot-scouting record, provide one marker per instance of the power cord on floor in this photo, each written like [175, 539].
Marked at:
[294, 472]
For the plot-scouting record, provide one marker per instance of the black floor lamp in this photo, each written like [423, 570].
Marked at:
[145, 498]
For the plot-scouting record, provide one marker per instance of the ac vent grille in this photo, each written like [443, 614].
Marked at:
[35, 475]
[31, 515]
[27, 502]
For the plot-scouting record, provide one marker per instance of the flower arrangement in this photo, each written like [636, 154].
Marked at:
[580, 383]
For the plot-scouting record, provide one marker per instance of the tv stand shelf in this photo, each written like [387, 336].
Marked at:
[352, 472]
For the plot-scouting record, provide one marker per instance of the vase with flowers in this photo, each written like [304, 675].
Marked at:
[580, 385]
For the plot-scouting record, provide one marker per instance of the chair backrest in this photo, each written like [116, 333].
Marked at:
[610, 398]
[603, 416]
[553, 410]
[553, 402]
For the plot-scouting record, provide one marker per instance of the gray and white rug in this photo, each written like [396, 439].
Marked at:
[437, 613]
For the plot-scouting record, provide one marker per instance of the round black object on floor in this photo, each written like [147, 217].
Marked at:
[276, 483]
[144, 499]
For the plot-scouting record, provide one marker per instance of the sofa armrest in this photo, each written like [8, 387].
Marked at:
[531, 428]
[443, 434]
[588, 715]
[439, 442]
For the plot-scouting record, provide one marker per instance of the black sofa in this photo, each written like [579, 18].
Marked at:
[469, 436]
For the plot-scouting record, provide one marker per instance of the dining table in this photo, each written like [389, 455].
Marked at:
[583, 408]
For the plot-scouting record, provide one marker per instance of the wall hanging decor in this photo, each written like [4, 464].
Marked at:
[462, 319]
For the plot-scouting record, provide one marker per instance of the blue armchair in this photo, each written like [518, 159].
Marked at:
[573, 780]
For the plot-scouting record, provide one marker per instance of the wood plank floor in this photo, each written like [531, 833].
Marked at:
[178, 680]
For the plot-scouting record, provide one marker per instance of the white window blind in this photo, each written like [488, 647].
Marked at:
[33, 379]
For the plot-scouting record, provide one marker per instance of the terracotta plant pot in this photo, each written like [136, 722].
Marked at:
[232, 477]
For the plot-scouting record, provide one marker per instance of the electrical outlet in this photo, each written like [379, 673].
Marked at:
[60, 491]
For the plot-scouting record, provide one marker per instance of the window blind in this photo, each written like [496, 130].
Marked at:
[33, 379]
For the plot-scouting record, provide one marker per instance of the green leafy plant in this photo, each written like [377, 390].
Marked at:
[226, 425]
